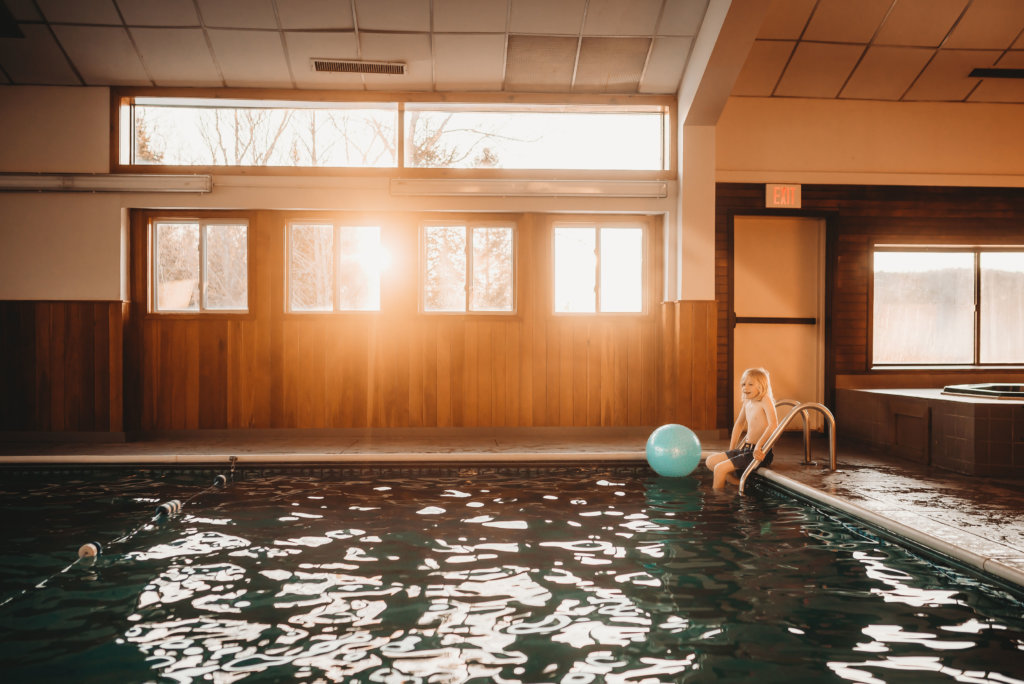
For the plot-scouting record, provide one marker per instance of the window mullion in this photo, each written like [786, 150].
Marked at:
[597, 269]
[977, 307]
[335, 267]
[468, 285]
[203, 226]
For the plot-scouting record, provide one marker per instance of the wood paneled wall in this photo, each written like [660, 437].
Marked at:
[857, 218]
[60, 366]
[399, 368]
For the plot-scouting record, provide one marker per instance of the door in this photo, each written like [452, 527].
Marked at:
[779, 285]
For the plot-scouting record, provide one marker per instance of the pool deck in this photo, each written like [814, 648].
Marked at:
[977, 521]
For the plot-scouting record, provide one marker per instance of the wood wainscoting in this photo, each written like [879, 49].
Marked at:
[61, 366]
[400, 368]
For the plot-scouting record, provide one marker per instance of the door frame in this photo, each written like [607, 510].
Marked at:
[829, 220]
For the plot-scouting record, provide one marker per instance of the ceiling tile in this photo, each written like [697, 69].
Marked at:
[786, 19]
[540, 63]
[664, 72]
[1002, 89]
[412, 49]
[682, 17]
[393, 15]
[80, 11]
[818, 69]
[250, 59]
[546, 17]
[306, 45]
[885, 73]
[470, 16]
[616, 18]
[23, 10]
[238, 14]
[322, 15]
[764, 65]
[946, 78]
[176, 13]
[36, 59]
[469, 61]
[103, 55]
[988, 25]
[922, 23]
[842, 21]
[611, 65]
[177, 57]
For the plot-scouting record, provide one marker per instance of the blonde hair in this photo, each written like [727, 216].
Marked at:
[762, 378]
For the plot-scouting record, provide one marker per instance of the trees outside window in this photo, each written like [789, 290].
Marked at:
[468, 268]
[334, 267]
[948, 307]
[200, 266]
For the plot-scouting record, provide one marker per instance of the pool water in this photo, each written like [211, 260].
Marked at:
[604, 574]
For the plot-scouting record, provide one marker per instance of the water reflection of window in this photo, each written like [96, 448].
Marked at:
[928, 307]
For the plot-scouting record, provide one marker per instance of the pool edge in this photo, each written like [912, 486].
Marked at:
[987, 565]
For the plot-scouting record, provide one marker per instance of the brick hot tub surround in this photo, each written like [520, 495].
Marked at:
[969, 435]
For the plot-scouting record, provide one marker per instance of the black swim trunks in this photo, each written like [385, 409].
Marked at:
[742, 457]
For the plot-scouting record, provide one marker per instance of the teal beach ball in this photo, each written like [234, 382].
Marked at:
[673, 450]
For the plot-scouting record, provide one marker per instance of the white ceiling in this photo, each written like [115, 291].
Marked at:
[584, 46]
[897, 50]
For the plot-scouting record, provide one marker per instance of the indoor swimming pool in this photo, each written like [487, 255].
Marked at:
[472, 574]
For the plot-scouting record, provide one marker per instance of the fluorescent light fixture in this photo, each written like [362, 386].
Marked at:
[529, 188]
[103, 182]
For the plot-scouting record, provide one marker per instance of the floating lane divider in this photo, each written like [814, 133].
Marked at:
[90, 551]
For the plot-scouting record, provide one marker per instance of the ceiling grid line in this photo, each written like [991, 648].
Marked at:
[789, 59]
[284, 43]
[209, 44]
[60, 46]
[864, 52]
[936, 51]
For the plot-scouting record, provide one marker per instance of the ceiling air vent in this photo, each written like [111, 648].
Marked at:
[348, 66]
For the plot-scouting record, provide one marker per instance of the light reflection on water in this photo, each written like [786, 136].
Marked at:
[572, 576]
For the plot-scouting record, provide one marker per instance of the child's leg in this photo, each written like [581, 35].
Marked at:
[714, 459]
[723, 473]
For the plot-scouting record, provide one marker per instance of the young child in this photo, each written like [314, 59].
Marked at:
[756, 421]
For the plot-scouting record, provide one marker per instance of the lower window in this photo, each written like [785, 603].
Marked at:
[599, 269]
[333, 267]
[468, 268]
[948, 306]
[200, 266]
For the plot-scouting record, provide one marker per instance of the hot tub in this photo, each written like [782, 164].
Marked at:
[989, 390]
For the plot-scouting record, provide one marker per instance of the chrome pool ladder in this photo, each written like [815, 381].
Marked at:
[800, 409]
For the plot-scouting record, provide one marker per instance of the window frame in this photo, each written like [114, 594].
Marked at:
[121, 99]
[976, 251]
[335, 262]
[597, 224]
[203, 222]
[469, 225]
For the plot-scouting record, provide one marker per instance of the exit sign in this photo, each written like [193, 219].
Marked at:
[778, 196]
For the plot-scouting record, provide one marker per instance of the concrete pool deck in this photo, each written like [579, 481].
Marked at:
[977, 521]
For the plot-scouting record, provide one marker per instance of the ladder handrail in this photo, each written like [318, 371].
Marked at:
[774, 437]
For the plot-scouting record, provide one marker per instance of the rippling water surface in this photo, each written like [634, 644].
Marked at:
[560, 575]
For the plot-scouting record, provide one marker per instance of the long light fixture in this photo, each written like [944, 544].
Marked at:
[103, 182]
[488, 187]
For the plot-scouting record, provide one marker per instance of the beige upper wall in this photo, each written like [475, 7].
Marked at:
[843, 141]
[54, 130]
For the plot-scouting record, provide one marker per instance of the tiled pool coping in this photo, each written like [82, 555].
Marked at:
[975, 552]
